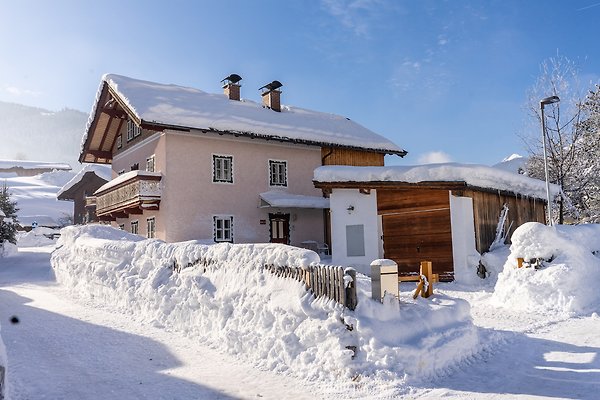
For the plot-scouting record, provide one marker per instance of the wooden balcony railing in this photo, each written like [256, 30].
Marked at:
[129, 193]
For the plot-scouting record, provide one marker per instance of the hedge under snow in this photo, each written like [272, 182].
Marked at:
[235, 305]
[567, 282]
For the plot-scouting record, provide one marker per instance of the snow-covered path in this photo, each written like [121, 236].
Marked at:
[540, 358]
[63, 350]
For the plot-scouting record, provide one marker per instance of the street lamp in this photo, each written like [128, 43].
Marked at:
[543, 102]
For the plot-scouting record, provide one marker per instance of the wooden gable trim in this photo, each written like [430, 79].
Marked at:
[389, 185]
[93, 125]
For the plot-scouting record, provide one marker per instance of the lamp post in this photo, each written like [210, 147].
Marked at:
[543, 103]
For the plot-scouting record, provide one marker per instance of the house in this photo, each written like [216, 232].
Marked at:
[30, 168]
[193, 165]
[444, 213]
[80, 190]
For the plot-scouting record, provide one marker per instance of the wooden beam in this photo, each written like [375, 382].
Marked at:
[100, 154]
[114, 113]
[104, 134]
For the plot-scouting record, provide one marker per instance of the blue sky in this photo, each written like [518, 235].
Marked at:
[446, 80]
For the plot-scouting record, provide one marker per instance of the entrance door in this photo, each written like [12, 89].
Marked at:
[279, 228]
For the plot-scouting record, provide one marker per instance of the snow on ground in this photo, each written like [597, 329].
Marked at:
[76, 350]
[231, 303]
[36, 196]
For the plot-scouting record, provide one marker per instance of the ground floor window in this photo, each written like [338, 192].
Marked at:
[134, 227]
[223, 228]
[151, 227]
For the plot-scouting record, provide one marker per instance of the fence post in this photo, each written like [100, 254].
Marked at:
[351, 300]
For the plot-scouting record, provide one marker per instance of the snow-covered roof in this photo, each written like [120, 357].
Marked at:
[102, 171]
[480, 176]
[40, 220]
[513, 163]
[178, 106]
[123, 178]
[275, 198]
[8, 164]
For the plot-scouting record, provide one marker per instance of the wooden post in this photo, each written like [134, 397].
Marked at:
[351, 299]
[427, 270]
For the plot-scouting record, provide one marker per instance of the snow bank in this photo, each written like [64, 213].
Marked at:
[8, 249]
[36, 237]
[568, 281]
[230, 302]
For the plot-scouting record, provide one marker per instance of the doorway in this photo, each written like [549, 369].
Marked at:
[279, 227]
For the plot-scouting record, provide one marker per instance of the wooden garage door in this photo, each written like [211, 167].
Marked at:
[416, 227]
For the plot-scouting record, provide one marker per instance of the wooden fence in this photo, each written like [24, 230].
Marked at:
[334, 283]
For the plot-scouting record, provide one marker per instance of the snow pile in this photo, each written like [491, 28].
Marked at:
[229, 301]
[36, 237]
[7, 249]
[567, 282]
[473, 175]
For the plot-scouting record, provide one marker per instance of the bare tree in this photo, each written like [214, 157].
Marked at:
[572, 158]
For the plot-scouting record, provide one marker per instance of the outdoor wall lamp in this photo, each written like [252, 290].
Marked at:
[350, 209]
[543, 103]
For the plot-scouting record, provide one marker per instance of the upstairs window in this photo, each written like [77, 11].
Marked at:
[133, 130]
[222, 169]
[151, 227]
[223, 228]
[119, 141]
[277, 173]
[150, 163]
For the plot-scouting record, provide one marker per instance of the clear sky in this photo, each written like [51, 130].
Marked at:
[446, 80]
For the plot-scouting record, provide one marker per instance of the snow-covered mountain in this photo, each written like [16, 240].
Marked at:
[514, 163]
[30, 133]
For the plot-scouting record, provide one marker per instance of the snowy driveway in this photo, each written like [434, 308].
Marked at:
[63, 350]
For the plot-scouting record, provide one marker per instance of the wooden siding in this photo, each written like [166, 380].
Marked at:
[357, 158]
[486, 211]
[416, 227]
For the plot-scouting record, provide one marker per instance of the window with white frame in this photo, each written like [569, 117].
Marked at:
[150, 228]
[134, 227]
[150, 163]
[223, 228]
[119, 141]
[222, 168]
[122, 227]
[133, 130]
[277, 173]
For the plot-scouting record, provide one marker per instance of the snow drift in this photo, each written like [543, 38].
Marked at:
[567, 282]
[231, 302]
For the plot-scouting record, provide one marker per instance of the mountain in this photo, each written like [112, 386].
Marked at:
[31, 133]
[513, 163]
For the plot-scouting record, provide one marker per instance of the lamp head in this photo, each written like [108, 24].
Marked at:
[549, 100]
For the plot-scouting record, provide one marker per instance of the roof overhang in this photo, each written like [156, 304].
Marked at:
[277, 199]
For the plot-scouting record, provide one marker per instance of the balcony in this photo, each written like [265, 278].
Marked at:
[129, 193]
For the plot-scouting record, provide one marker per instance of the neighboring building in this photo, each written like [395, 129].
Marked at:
[29, 222]
[30, 168]
[444, 213]
[193, 165]
[80, 190]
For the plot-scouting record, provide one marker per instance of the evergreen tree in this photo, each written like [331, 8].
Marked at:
[8, 226]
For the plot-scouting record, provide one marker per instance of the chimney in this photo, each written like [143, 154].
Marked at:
[271, 96]
[231, 88]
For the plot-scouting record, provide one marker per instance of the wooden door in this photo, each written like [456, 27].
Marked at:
[279, 228]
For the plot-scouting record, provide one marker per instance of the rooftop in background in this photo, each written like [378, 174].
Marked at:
[479, 176]
[102, 171]
[172, 106]
[12, 164]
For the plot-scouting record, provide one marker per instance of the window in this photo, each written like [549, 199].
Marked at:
[134, 227]
[223, 228]
[277, 173]
[135, 167]
[151, 227]
[150, 163]
[222, 169]
[132, 130]
[119, 141]
[122, 227]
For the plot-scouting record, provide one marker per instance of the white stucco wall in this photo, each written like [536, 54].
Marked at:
[364, 213]
[465, 255]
